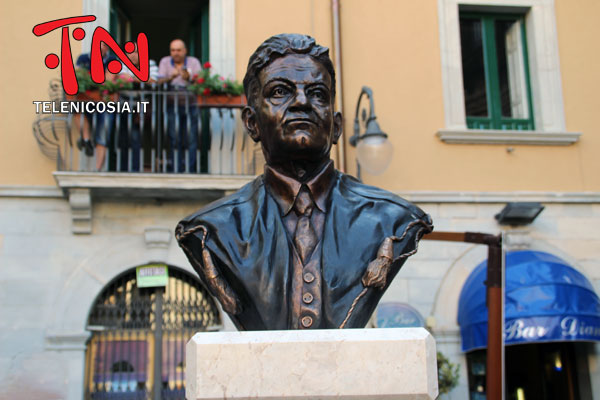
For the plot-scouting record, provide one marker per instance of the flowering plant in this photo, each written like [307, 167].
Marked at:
[118, 83]
[206, 84]
[84, 80]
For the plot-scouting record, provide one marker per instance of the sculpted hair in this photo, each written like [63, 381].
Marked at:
[279, 46]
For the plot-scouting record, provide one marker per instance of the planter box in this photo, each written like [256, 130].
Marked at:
[93, 95]
[222, 100]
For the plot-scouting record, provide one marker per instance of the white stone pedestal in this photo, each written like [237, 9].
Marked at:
[398, 363]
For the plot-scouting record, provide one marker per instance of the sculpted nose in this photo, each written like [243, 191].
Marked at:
[300, 99]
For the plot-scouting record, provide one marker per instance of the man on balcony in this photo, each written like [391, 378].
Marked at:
[182, 114]
[104, 122]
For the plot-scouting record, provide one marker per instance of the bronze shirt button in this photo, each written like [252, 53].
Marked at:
[307, 321]
[308, 277]
[307, 298]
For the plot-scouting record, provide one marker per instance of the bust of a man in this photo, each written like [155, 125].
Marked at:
[303, 246]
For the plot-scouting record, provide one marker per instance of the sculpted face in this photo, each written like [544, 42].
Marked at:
[293, 115]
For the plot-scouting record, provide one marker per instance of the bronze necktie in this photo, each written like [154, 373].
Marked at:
[305, 237]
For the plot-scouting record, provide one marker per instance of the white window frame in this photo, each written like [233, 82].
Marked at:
[546, 84]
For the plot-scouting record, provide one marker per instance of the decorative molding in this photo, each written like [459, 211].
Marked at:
[233, 183]
[501, 197]
[51, 192]
[517, 239]
[81, 210]
[61, 341]
[80, 187]
[141, 181]
[493, 136]
[542, 43]
[157, 237]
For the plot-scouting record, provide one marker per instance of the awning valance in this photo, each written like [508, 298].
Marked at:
[545, 300]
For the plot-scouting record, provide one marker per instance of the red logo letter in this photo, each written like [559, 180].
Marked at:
[102, 35]
[67, 71]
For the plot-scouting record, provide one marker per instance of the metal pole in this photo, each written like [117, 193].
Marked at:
[495, 351]
[157, 389]
[337, 39]
[495, 330]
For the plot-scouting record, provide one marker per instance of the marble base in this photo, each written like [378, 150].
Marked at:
[396, 363]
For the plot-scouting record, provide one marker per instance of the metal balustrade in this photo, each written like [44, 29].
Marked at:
[173, 134]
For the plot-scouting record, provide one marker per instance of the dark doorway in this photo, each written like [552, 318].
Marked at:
[551, 371]
[137, 347]
[162, 22]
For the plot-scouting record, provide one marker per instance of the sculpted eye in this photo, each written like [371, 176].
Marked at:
[279, 91]
[319, 94]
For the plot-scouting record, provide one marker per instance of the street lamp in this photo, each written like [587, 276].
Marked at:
[373, 149]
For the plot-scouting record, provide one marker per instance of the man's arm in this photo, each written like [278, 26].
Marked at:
[163, 71]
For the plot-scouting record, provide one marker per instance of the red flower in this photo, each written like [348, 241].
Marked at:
[206, 92]
[224, 85]
[201, 80]
[207, 65]
[221, 78]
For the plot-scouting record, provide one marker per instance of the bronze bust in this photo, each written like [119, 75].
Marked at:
[303, 245]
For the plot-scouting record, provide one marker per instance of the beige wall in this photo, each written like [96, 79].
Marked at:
[391, 46]
[256, 20]
[25, 79]
[578, 32]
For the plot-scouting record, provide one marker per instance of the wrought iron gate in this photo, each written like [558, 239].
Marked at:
[137, 348]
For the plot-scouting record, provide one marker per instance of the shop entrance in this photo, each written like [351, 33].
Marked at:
[551, 371]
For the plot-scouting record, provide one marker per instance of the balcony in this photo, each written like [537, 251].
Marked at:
[174, 147]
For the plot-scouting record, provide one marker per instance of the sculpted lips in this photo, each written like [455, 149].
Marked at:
[294, 121]
[301, 123]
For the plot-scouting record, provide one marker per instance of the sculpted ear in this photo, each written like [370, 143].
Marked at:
[249, 119]
[337, 126]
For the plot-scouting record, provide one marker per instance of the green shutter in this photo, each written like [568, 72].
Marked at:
[495, 119]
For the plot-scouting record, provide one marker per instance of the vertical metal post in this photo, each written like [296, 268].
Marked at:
[494, 366]
[494, 300]
[157, 389]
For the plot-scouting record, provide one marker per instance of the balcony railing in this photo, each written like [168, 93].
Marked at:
[173, 134]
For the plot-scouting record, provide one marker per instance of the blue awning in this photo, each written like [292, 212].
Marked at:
[546, 300]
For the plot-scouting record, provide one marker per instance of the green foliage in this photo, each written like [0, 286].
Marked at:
[117, 84]
[447, 374]
[206, 84]
[84, 80]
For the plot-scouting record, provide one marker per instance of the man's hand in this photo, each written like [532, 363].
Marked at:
[185, 74]
[175, 74]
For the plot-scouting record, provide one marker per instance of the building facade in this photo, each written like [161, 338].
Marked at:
[485, 103]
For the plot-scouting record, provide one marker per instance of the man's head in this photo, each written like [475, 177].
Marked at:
[103, 49]
[177, 50]
[134, 56]
[290, 86]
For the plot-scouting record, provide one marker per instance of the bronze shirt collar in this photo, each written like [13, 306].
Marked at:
[285, 189]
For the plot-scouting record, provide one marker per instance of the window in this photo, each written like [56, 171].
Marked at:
[537, 113]
[495, 71]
